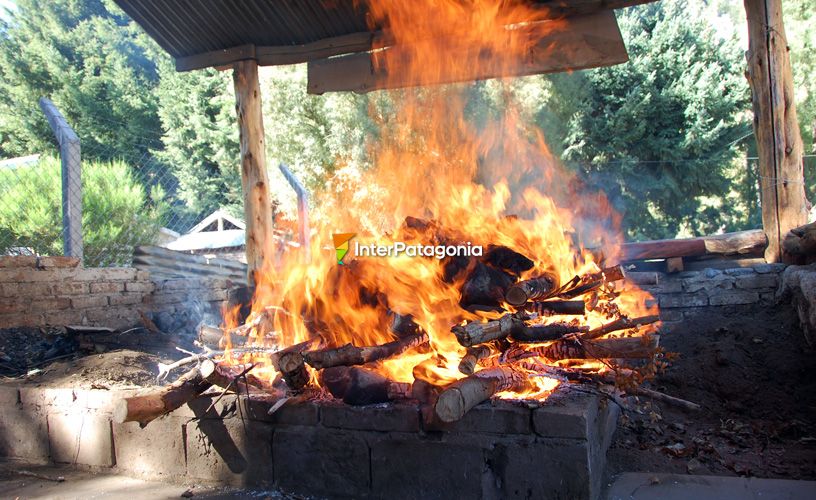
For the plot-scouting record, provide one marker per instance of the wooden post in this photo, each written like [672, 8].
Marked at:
[257, 210]
[779, 144]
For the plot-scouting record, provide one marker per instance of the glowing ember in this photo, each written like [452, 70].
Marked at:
[495, 185]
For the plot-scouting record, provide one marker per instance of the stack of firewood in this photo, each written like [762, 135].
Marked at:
[499, 355]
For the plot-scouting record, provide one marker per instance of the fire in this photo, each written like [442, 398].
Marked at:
[492, 183]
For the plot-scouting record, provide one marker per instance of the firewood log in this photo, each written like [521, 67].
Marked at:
[801, 241]
[507, 260]
[531, 290]
[474, 354]
[352, 355]
[620, 324]
[476, 332]
[625, 348]
[543, 333]
[147, 407]
[459, 397]
[362, 386]
[484, 286]
[593, 282]
[557, 307]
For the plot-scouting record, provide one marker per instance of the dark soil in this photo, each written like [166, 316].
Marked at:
[753, 374]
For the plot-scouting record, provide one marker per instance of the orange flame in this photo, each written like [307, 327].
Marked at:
[490, 183]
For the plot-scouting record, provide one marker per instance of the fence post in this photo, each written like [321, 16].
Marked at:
[71, 159]
[303, 211]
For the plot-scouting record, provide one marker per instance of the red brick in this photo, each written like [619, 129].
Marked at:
[139, 286]
[107, 287]
[57, 261]
[89, 301]
[18, 261]
[125, 299]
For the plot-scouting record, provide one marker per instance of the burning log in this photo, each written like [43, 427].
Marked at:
[147, 407]
[485, 286]
[290, 363]
[624, 348]
[557, 307]
[361, 386]
[543, 333]
[507, 260]
[620, 324]
[459, 397]
[594, 281]
[531, 290]
[352, 355]
[227, 378]
[474, 354]
[475, 332]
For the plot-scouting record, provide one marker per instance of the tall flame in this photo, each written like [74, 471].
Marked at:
[490, 183]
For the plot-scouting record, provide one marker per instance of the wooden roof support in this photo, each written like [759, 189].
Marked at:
[779, 143]
[257, 209]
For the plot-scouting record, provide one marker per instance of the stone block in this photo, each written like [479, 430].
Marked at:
[25, 275]
[486, 418]
[322, 462]
[170, 298]
[733, 297]
[405, 468]
[80, 438]
[642, 277]
[758, 281]
[125, 299]
[64, 317]
[70, 288]
[230, 451]
[139, 286]
[23, 433]
[62, 397]
[156, 451]
[666, 286]
[739, 271]
[9, 395]
[89, 301]
[57, 261]
[567, 416]
[669, 315]
[770, 268]
[704, 283]
[683, 300]
[384, 417]
[107, 287]
[21, 319]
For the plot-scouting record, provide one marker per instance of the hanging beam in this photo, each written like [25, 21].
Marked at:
[779, 144]
[254, 181]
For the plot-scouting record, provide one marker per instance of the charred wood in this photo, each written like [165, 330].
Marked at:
[361, 386]
[620, 324]
[543, 333]
[507, 260]
[531, 290]
[557, 307]
[352, 355]
[625, 348]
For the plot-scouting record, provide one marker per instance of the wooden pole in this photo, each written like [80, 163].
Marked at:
[779, 144]
[257, 209]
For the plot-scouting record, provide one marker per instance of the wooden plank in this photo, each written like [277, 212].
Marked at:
[570, 44]
[254, 181]
[742, 242]
[188, 257]
[779, 144]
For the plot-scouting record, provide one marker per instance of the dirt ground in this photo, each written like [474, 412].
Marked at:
[753, 374]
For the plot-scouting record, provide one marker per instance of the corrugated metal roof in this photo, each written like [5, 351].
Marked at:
[190, 27]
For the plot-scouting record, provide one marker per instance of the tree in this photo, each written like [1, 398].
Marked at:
[658, 133]
[116, 213]
[93, 61]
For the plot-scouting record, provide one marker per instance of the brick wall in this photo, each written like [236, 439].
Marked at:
[688, 293]
[56, 291]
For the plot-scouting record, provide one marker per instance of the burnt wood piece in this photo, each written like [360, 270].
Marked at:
[557, 307]
[147, 407]
[621, 324]
[593, 282]
[361, 386]
[624, 348]
[535, 289]
[352, 355]
[293, 370]
[485, 286]
[476, 332]
[472, 357]
[403, 325]
[262, 323]
[543, 333]
[507, 260]
[459, 397]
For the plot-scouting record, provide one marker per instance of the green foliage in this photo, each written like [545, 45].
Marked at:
[197, 111]
[116, 214]
[92, 61]
[659, 132]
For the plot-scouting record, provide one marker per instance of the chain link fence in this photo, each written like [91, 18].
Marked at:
[66, 201]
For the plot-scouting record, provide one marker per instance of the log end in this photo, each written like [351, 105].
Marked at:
[515, 296]
[120, 411]
[450, 406]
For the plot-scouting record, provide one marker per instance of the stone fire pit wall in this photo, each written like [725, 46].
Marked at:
[324, 449]
[43, 291]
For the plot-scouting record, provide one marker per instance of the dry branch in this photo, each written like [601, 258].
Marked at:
[624, 348]
[620, 324]
[147, 407]
[349, 354]
[543, 333]
[531, 290]
[459, 397]
[361, 386]
[553, 307]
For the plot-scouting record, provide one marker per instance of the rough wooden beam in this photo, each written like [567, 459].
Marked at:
[257, 209]
[742, 243]
[779, 144]
[570, 44]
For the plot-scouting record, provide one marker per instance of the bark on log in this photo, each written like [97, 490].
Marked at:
[459, 397]
[623, 348]
[593, 282]
[751, 242]
[531, 290]
[557, 307]
[147, 407]
[352, 355]
[543, 333]
[620, 324]
[293, 370]
[474, 354]
[801, 241]
[476, 332]
[361, 386]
